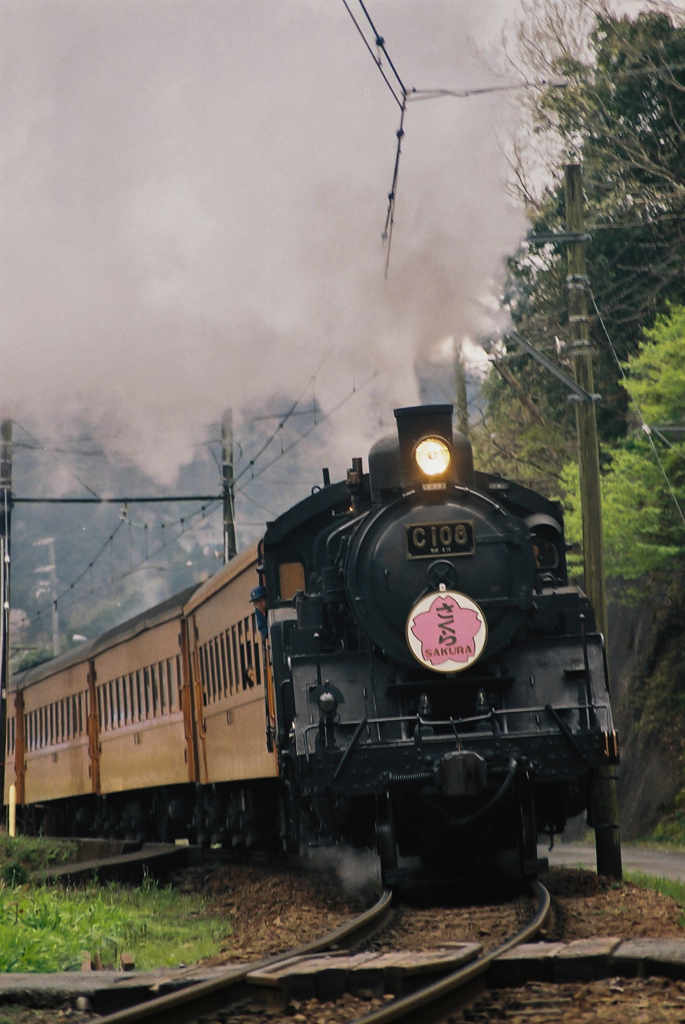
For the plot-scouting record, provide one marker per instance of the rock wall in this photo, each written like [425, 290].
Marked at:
[644, 659]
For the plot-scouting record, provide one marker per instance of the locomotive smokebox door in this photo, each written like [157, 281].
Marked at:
[462, 773]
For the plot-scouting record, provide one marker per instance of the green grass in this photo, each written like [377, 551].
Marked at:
[47, 929]
[666, 886]
[20, 857]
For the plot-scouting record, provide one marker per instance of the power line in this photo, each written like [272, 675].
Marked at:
[144, 500]
[543, 83]
[211, 500]
[283, 421]
[374, 58]
[301, 438]
[401, 101]
[380, 43]
[77, 478]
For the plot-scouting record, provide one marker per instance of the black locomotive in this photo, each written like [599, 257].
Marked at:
[440, 688]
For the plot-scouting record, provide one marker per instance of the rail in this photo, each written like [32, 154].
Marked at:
[208, 996]
[437, 1001]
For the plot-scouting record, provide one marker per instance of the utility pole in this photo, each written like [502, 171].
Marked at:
[607, 835]
[230, 547]
[5, 532]
[461, 402]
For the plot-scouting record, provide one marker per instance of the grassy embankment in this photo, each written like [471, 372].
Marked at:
[52, 928]
[666, 886]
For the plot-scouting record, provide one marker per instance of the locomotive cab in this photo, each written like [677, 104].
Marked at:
[441, 689]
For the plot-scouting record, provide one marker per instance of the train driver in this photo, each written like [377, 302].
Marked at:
[258, 598]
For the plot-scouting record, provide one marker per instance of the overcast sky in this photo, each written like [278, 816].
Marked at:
[193, 195]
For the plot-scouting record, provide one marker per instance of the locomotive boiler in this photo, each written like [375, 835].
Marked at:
[440, 689]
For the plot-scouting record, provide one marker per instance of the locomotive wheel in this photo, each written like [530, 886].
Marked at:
[385, 837]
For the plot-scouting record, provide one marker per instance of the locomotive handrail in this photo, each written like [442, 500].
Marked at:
[453, 723]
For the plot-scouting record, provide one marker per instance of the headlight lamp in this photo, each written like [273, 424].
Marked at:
[432, 456]
[327, 703]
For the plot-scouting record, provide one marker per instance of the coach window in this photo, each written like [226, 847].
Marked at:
[123, 700]
[170, 682]
[290, 579]
[214, 663]
[237, 674]
[155, 690]
[212, 666]
[51, 733]
[80, 714]
[140, 707]
[179, 678]
[256, 650]
[249, 636]
[221, 647]
[162, 686]
[220, 679]
[132, 696]
[204, 675]
[148, 698]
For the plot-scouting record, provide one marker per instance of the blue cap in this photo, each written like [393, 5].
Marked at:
[258, 592]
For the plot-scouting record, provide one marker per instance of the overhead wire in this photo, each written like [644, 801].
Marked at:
[282, 422]
[374, 58]
[54, 451]
[183, 521]
[306, 434]
[401, 101]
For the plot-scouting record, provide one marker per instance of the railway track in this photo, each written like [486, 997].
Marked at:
[437, 1001]
[186, 1006]
[432, 1002]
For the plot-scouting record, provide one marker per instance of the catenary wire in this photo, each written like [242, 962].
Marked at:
[52, 451]
[374, 58]
[380, 42]
[183, 521]
[282, 422]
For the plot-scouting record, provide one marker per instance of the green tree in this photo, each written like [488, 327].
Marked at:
[615, 102]
[643, 490]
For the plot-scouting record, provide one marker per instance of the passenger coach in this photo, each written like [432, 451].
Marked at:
[153, 728]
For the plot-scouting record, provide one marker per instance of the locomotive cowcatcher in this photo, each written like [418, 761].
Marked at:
[440, 688]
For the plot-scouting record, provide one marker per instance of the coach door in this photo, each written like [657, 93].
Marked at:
[20, 748]
[193, 703]
[93, 732]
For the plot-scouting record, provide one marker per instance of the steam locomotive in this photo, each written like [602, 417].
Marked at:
[431, 685]
[440, 687]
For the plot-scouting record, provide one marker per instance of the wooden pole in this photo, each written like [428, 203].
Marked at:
[5, 532]
[607, 834]
[230, 547]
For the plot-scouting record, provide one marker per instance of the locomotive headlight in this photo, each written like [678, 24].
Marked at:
[327, 703]
[432, 456]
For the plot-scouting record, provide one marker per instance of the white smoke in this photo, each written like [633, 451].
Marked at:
[194, 195]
